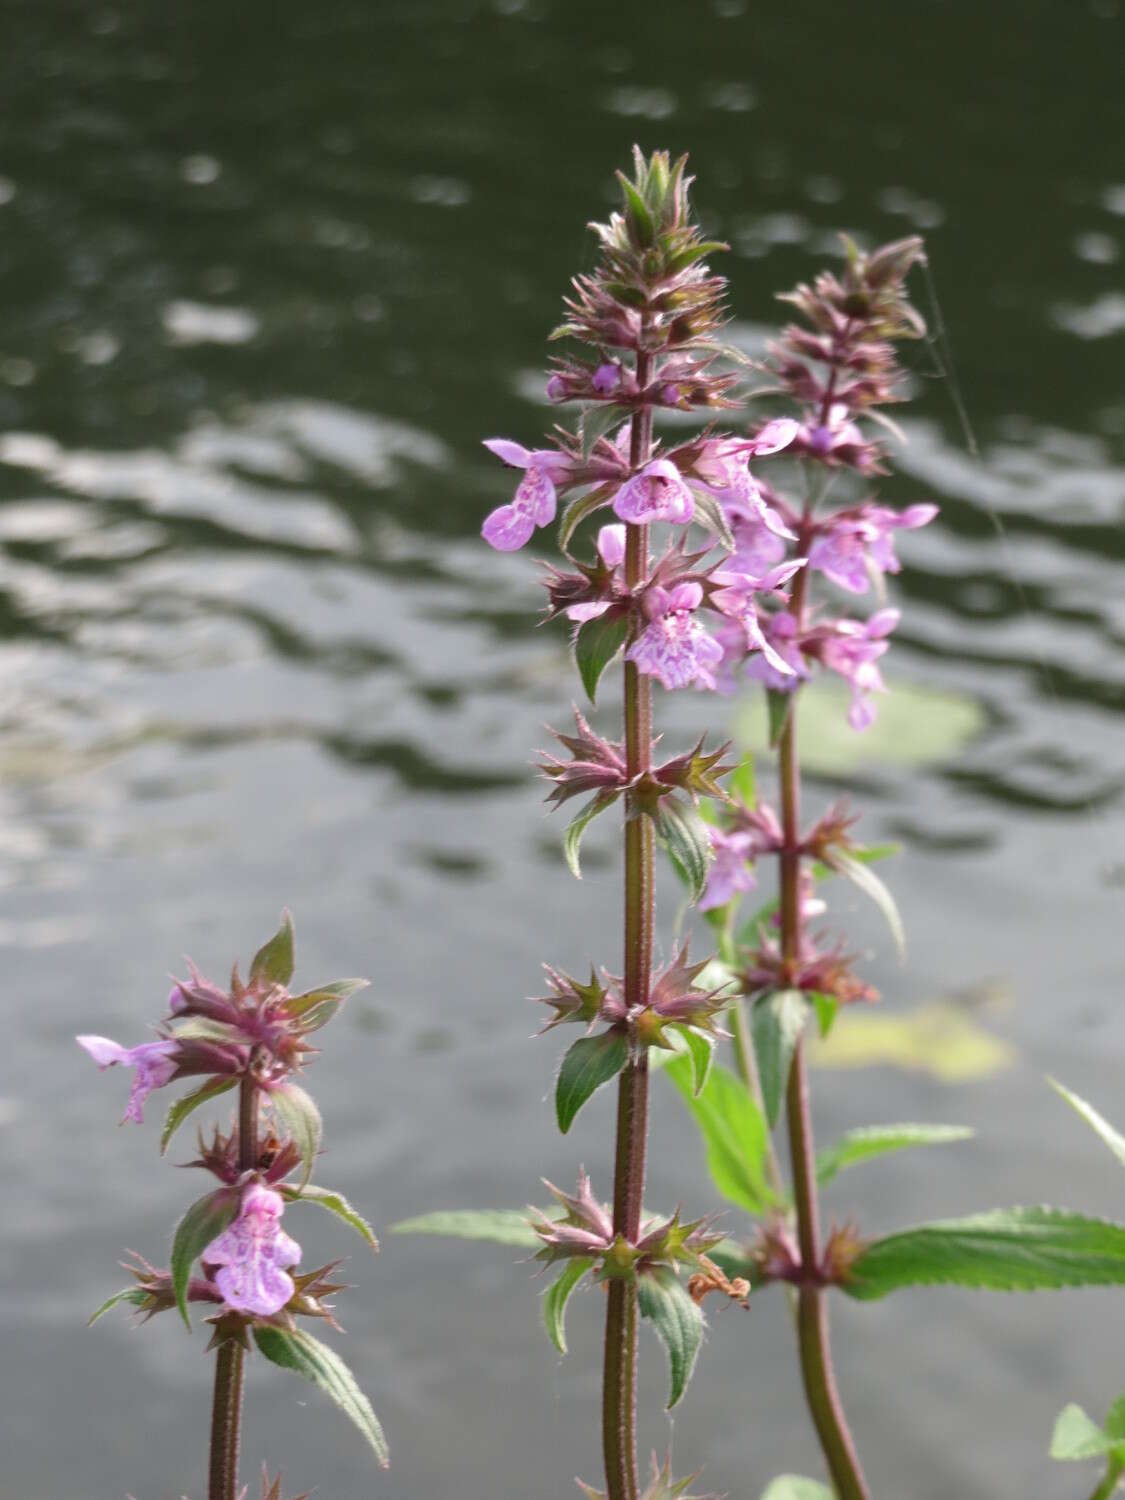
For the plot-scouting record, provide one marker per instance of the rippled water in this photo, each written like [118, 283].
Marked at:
[269, 274]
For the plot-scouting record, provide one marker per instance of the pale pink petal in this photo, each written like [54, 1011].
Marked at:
[611, 545]
[508, 528]
[536, 493]
[513, 454]
[774, 436]
[657, 493]
[580, 613]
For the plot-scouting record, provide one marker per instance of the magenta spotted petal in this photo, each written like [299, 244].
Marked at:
[674, 647]
[252, 1254]
[154, 1061]
[656, 493]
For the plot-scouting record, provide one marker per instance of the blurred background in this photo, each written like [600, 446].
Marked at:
[269, 274]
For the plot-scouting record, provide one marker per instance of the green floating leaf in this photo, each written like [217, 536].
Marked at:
[700, 1049]
[1013, 1249]
[179, 1111]
[1114, 1140]
[315, 1008]
[577, 826]
[299, 1351]
[876, 1140]
[556, 1297]
[273, 961]
[502, 1226]
[207, 1217]
[677, 1319]
[577, 511]
[734, 1133]
[937, 1038]
[793, 1487]
[776, 1024]
[684, 835]
[1078, 1436]
[334, 1203]
[591, 1061]
[298, 1115]
[869, 883]
[136, 1295]
[596, 643]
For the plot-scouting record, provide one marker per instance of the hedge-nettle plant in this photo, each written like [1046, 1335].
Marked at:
[253, 1038]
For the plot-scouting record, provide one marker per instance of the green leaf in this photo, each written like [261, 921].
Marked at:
[179, 1111]
[133, 1294]
[273, 961]
[596, 643]
[299, 1351]
[299, 1117]
[577, 826]
[778, 705]
[577, 511]
[558, 1294]
[638, 213]
[598, 419]
[1115, 1421]
[683, 834]
[741, 781]
[1013, 1249]
[864, 854]
[1078, 1436]
[315, 1008]
[733, 1131]
[207, 1217]
[502, 1226]
[677, 1319]
[699, 1048]
[709, 513]
[793, 1487]
[691, 253]
[591, 1061]
[870, 884]
[827, 1008]
[776, 1023]
[203, 1029]
[1111, 1137]
[335, 1203]
[876, 1140]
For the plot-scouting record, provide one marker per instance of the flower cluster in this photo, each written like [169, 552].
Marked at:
[673, 1001]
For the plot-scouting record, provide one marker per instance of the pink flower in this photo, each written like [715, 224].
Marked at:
[852, 651]
[674, 647]
[857, 541]
[779, 631]
[510, 527]
[735, 598]
[252, 1253]
[736, 488]
[657, 493]
[730, 871]
[757, 546]
[154, 1061]
[606, 379]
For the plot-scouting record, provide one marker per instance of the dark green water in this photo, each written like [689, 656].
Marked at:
[268, 274]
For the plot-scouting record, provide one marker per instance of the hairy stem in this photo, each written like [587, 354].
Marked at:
[812, 1308]
[226, 1404]
[619, 1399]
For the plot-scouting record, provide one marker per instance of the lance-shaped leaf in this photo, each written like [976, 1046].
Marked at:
[827, 1008]
[334, 1203]
[577, 511]
[1113, 1139]
[315, 1008]
[596, 643]
[677, 1319]
[502, 1226]
[1078, 1436]
[204, 1221]
[591, 1061]
[136, 1296]
[557, 1296]
[734, 1133]
[1008, 1250]
[572, 838]
[869, 883]
[698, 1048]
[273, 961]
[776, 1023]
[794, 1487]
[299, 1117]
[684, 835]
[179, 1111]
[876, 1140]
[779, 704]
[298, 1351]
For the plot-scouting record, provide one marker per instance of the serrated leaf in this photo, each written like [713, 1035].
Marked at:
[1096, 1122]
[591, 1061]
[578, 509]
[1013, 1249]
[599, 419]
[596, 643]
[734, 1133]
[501, 1226]
[205, 1219]
[876, 1140]
[793, 1487]
[677, 1319]
[709, 513]
[180, 1110]
[315, 1008]
[683, 833]
[134, 1294]
[776, 1023]
[334, 1203]
[318, 1363]
[556, 1297]
[1078, 1436]
[869, 883]
[299, 1117]
[273, 961]
[577, 826]
[699, 1049]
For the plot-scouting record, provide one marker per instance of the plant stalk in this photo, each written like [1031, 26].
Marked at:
[1110, 1480]
[226, 1405]
[619, 1398]
[812, 1309]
